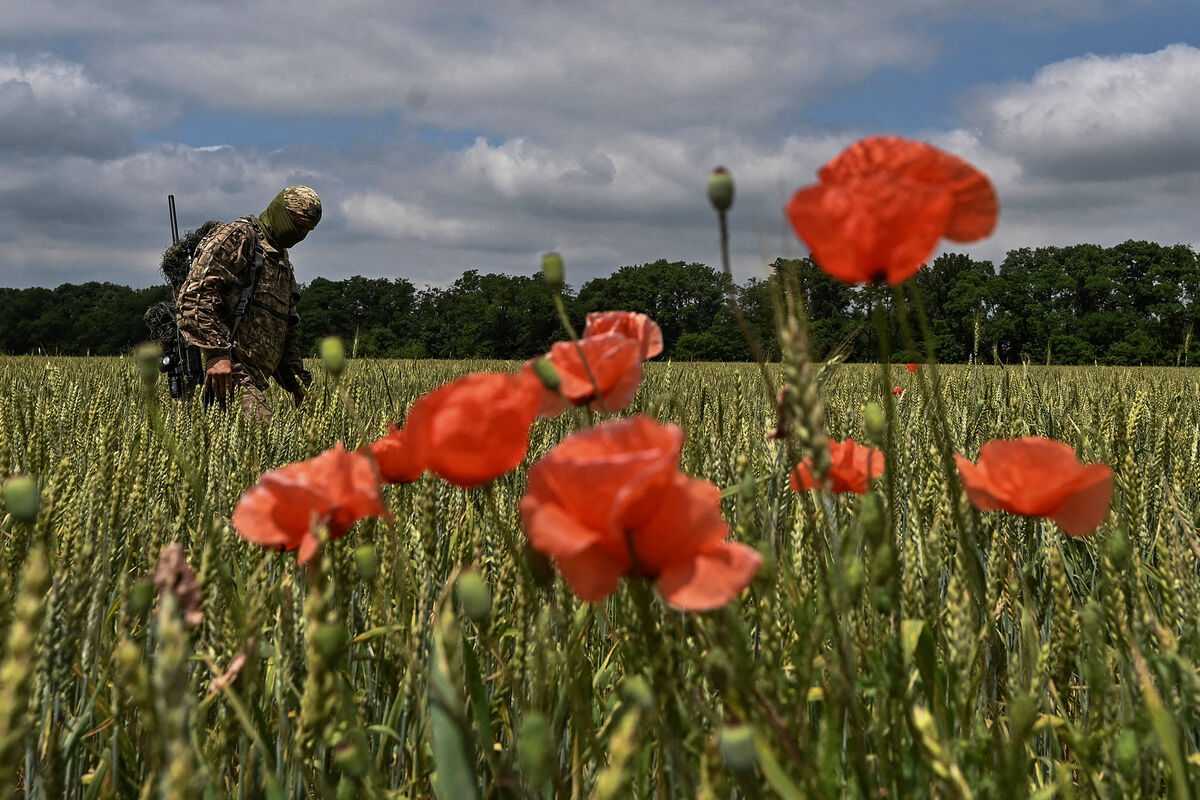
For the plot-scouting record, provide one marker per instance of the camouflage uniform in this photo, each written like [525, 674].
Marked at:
[266, 342]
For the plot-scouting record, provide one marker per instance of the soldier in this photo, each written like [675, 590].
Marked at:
[244, 265]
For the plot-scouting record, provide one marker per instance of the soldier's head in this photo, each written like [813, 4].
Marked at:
[291, 215]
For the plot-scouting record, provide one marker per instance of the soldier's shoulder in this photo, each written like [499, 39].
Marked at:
[228, 237]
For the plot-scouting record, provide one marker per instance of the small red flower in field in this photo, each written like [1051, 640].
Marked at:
[609, 502]
[627, 323]
[467, 432]
[896, 390]
[399, 456]
[912, 367]
[1039, 477]
[883, 204]
[854, 466]
[285, 507]
[615, 362]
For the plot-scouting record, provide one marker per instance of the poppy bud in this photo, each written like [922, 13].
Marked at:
[553, 271]
[547, 373]
[1119, 548]
[331, 640]
[720, 189]
[748, 488]
[1126, 752]
[149, 356]
[534, 748]
[366, 558]
[333, 354]
[141, 595]
[875, 422]
[351, 755]
[870, 518]
[22, 498]
[635, 691]
[473, 595]
[1022, 713]
[718, 669]
[736, 745]
[854, 576]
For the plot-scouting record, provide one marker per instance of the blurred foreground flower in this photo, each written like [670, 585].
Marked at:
[854, 466]
[883, 204]
[609, 502]
[1039, 477]
[287, 506]
[468, 431]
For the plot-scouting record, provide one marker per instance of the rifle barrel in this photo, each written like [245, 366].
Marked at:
[174, 219]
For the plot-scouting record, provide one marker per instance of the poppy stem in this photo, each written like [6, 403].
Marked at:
[731, 298]
[566, 321]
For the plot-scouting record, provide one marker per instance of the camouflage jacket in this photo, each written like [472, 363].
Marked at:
[266, 338]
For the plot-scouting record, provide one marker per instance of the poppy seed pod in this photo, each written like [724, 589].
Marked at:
[331, 640]
[534, 748]
[875, 422]
[473, 595]
[141, 595]
[553, 271]
[22, 498]
[736, 745]
[333, 354]
[149, 357]
[366, 559]
[547, 373]
[720, 189]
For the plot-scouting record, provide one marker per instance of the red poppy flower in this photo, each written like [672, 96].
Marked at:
[883, 204]
[285, 507]
[627, 323]
[468, 431]
[896, 390]
[615, 362]
[609, 502]
[854, 466]
[1039, 477]
[399, 456]
[912, 367]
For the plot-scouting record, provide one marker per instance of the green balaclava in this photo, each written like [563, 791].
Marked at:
[291, 215]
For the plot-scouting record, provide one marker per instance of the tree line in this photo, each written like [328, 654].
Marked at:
[1135, 303]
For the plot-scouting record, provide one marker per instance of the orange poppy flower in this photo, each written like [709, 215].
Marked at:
[627, 323]
[615, 362]
[609, 502]
[912, 367]
[883, 204]
[854, 466]
[399, 456]
[1039, 477]
[898, 391]
[285, 507]
[468, 431]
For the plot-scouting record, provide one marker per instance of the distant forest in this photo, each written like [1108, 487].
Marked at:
[1135, 303]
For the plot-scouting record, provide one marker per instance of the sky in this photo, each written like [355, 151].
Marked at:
[446, 136]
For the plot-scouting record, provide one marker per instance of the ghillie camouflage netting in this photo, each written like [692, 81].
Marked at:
[176, 260]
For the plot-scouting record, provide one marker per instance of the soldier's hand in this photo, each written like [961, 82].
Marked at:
[218, 378]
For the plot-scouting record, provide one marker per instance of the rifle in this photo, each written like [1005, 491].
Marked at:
[181, 362]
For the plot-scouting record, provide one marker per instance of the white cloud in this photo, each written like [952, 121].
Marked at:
[53, 107]
[1101, 118]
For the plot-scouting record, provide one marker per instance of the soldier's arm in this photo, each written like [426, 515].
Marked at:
[218, 268]
[293, 360]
